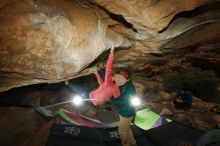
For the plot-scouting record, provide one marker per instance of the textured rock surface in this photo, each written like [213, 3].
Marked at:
[48, 41]
[19, 125]
[51, 41]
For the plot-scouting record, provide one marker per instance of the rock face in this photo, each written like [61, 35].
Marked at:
[48, 41]
[51, 41]
[19, 125]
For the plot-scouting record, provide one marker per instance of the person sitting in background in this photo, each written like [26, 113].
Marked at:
[183, 99]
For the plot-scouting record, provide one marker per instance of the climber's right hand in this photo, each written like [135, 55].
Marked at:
[112, 49]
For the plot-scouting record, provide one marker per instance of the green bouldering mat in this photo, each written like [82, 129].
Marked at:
[147, 119]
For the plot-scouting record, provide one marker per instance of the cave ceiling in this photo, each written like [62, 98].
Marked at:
[49, 41]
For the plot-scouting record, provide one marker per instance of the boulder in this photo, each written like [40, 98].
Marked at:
[19, 125]
[166, 112]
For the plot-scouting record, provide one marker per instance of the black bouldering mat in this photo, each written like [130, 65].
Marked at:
[71, 135]
[174, 134]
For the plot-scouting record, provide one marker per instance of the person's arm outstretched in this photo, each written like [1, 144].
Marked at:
[108, 74]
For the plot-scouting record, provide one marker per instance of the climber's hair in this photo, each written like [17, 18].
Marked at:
[184, 89]
[127, 72]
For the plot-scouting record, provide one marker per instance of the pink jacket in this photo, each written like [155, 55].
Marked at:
[107, 89]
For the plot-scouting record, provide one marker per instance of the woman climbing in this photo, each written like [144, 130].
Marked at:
[109, 87]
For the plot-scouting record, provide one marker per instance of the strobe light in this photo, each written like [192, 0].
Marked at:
[77, 100]
[135, 101]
